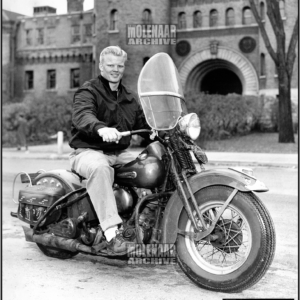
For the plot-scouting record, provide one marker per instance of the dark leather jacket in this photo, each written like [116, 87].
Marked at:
[95, 106]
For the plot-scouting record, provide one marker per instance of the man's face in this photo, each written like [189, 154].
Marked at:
[112, 67]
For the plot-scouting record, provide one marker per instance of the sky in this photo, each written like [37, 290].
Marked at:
[25, 7]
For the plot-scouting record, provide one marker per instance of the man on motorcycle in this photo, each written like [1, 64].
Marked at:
[102, 108]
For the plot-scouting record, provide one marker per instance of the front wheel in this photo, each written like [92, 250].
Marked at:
[245, 246]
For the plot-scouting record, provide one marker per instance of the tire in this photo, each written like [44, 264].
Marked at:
[244, 250]
[56, 253]
[47, 250]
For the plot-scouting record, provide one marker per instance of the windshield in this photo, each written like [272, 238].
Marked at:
[160, 92]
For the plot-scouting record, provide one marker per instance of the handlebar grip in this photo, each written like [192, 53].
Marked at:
[125, 133]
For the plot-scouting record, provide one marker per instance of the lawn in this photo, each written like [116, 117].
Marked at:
[254, 142]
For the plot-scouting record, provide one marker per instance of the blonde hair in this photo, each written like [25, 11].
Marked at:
[115, 50]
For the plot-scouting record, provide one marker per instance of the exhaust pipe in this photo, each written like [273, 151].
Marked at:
[50, 240]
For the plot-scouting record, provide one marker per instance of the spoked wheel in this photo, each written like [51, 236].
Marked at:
[55, 252]
[243, 245]
[230, 249]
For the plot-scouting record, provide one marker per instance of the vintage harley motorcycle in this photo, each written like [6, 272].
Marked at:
[222, 233]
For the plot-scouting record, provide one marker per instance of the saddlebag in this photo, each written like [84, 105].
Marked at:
[34, 202]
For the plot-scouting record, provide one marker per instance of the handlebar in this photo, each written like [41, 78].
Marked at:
[127, 133]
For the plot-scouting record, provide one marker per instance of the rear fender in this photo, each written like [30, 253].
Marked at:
[199, 181]
[71, 182]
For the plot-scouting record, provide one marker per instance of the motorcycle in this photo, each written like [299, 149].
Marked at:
[221, 233]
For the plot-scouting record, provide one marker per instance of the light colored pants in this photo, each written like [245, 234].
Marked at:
[96, 166]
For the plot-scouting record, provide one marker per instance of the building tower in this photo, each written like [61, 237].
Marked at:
[75, 5]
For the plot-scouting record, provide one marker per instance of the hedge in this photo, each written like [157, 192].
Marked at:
[224, 116]
[45, 117]
[220, 116]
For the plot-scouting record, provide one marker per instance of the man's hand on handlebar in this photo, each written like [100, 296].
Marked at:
[109, 134]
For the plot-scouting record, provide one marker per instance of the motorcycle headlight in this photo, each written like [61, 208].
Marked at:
[190, 125]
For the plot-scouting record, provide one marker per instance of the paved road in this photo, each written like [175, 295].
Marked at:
[28, 274]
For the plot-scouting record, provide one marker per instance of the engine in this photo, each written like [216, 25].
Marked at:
[126, 200]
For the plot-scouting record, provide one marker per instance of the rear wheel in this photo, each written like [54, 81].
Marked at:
[50, 180]
[55, 252]
[245, 246]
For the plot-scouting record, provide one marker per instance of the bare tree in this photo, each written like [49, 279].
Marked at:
[284, 61]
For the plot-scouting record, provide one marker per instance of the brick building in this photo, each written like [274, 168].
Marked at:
[53, 53]
[219, 46]
[9, 23]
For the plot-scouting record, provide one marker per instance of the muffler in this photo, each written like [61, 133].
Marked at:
[55, 241]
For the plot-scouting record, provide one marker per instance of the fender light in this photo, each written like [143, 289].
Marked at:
[251, 182]
[257, 186]
[244, 170]
[190, 125]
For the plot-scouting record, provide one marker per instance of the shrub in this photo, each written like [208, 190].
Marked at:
[45, 117]
[9, 115]
[224, 116]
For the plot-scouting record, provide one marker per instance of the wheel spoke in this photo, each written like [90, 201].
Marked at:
[231, 248]
[206, 243]
[232, 239]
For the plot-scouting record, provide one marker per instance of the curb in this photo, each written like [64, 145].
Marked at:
[252, 164]
[54, 156]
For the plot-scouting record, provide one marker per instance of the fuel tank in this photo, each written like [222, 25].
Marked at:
[146, 171]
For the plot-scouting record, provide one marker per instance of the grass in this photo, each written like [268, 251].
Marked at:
[254, 142]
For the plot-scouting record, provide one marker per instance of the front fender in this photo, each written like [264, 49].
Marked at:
[199, 181]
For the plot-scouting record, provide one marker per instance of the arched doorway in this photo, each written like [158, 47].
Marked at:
[222, 82]
[228, 71]
[215, 76]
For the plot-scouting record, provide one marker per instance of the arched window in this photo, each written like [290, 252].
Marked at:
[230, 20]
[147, 18]
[181, 20]
[197, 19]
[94, 24]
[282, 8]
[213, 18]
[262, 11]
[113, 20]
[262, 64]
[247, 16]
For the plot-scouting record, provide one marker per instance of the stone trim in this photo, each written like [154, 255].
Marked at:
[36, 58]
[250, 79]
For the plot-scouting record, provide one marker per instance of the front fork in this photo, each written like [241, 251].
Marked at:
[200, 231]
